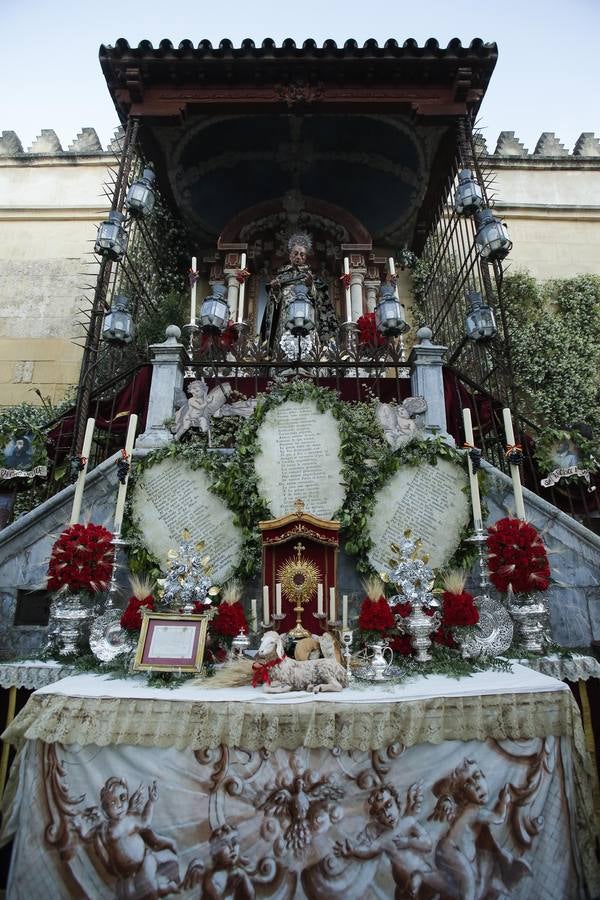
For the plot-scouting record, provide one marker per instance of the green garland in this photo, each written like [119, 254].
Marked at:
[367, 463]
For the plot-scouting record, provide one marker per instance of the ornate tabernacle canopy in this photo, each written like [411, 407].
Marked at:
[308, 134]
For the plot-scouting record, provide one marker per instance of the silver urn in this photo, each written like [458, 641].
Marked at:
[71, 615]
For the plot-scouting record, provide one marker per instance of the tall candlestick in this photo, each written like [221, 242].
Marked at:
[129, 441]
[266, 611]
[79, 487]
[514, 470]
[332, 609]
[473, 480]
[193, 294]
[320, 609]
[345, 612]
[254, 616]
[242, 291]
[348, 300]
[278, 599]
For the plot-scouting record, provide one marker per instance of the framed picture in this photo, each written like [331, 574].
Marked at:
[171, 643]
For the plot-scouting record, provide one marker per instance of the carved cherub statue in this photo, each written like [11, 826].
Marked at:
[144, 862]
[197, 409]
[398, 420]
[469, 858]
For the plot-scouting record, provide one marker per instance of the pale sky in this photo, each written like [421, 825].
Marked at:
[547, 77]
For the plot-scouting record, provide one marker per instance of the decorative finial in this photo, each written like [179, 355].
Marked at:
[299, 504]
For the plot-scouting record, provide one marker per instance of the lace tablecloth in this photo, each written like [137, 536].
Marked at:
[577, 668]
[32, 674]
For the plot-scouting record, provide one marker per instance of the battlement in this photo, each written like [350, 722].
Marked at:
[508, 146]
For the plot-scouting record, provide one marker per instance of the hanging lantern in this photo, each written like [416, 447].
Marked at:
[214, 312]
[389, 315]
[468, 198]
[141, 196]
[481, 322]
[300, 312]
[118, 327]
[492, 237]
[111, 239]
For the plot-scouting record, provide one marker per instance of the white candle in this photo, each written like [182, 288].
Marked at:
[473, 480]
[85, 452]
[332, 609]
[392, 268]
[348, 300]
[193, 296]
[278, 599]
[254, 615]
[266, 612]
[129, 441]
[241, 291]
[345, 612]
[514, 470]
[320, 599]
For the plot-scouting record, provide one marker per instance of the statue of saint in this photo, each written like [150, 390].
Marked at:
[282, 288]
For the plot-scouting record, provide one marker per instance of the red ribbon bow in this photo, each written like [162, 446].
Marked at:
[260, 671]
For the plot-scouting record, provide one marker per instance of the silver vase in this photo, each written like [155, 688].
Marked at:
[530, 615]
[419, 626]
[71, 615]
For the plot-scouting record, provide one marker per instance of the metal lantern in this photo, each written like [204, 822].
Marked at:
[481, 322]
[492, 237]
[140, 196]
[300, 312]
[389, 315]
[111, 239]
[118, 327]
[468, 198]
[214, 313]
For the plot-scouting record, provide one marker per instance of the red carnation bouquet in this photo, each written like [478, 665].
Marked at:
[375, 613]
[517, 557]
[230, 618]
[141, 597]
[368, 336]
[81, 559]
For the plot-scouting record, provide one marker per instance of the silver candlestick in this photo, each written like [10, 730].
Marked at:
[191, 328]
[479, 538]
[347, 653]
[107, 638]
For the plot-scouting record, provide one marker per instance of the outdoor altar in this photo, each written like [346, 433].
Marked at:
[461, 787]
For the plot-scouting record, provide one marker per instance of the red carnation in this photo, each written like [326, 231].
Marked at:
[229, 620]
[459, 610]
[376, 615]
[517, 557]
[401, 645]
[367, 331]
[81, 559]
[131, 620]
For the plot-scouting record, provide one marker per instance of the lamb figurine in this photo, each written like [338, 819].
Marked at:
[292, 674]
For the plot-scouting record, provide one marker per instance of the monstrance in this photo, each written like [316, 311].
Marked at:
[299, 578]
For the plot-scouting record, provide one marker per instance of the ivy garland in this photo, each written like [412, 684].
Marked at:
[545, 447]
[367, 463]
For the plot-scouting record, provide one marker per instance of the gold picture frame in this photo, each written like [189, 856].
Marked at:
[155, 650]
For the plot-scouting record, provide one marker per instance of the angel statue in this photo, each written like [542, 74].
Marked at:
[282, 290]
[398, 420]
[473, 865]
[145, 863]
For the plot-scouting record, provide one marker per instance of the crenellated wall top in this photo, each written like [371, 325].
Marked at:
[508, 146]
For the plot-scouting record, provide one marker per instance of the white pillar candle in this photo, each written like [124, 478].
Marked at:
[266, 611]
[392, 268]
[122, 493]
[254, 615]
[348, 300]
[320, 600]
[332, 609]
[473, 480]
[278, 599]
[345, 612]
[514, 470]
[79, 487]
[242, 291]
[193, 294]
